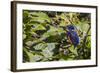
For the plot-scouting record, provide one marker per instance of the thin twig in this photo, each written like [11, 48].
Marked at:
[84, 41]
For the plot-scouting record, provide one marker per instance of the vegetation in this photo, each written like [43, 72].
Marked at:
[45, 39]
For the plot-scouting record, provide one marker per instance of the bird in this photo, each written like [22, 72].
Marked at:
[72, 35]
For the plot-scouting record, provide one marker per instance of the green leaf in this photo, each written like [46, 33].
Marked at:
[52, 28]
[38, 27]
[30, 55]
[36, 58]
[81, 25]
[51, 46]
[88, 42]
[40, 46]
[25, 55]
[33, 57]
[24, 36]
[60, 31]
[29, 43]
[73, 50]
[53, 32]
[25, 13]
[26, 17]
[32, 32]
[40, 17]
[49, 33]
[47, 53]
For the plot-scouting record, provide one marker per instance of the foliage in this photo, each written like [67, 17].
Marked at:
[45, 39]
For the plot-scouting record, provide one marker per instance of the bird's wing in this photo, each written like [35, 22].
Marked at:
[74, 37]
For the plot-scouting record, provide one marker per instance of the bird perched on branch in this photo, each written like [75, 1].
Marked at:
[72, 35]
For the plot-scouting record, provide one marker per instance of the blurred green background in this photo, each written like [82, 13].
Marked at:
[45, 39]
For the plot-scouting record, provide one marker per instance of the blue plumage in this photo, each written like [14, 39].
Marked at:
[72, 35]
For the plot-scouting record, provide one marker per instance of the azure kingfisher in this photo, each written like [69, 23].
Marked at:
[72, 35]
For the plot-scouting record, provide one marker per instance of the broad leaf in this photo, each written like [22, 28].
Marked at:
[73, 50]
[40, 46]
[40, 17]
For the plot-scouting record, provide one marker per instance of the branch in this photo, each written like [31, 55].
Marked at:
[84, 40]
[81, 51]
